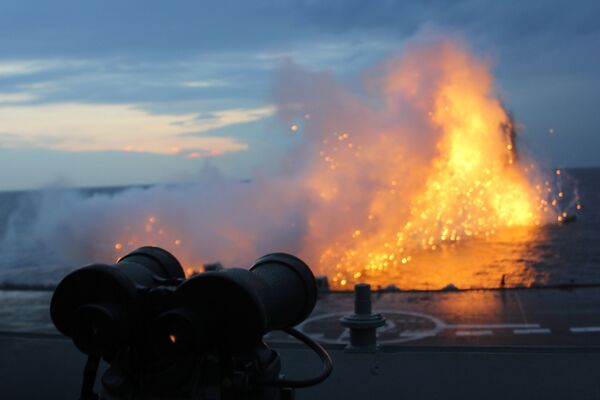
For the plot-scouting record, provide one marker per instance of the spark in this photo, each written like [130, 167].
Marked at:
[475, 186]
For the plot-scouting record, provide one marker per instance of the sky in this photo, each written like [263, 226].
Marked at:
[117, 93]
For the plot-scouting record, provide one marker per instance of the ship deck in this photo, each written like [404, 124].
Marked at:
[522, 343]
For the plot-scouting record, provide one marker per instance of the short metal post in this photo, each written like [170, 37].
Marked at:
[362, 324]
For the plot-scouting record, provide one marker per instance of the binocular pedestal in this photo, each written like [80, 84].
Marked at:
[165, 336]
[213, 376]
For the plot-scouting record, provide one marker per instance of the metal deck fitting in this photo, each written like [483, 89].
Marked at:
[363, 323]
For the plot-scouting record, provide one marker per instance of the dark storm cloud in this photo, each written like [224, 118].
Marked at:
[68, 27]
[153, 27]
[205, 56]
[159, 42]
[151, 30]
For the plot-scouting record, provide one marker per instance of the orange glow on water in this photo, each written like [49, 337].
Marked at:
[388, 209]
[473, 188]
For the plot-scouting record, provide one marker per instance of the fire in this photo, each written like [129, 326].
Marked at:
[474, 187]
[155, 231]
[421, 187]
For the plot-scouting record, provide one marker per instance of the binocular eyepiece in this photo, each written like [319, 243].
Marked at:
[236, 307]
[101, 306]
[167, 337]
[144, 300]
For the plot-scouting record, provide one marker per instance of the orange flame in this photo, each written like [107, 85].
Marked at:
[473, 188]
[406, 203]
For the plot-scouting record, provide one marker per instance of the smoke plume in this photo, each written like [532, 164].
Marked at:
[416, 161]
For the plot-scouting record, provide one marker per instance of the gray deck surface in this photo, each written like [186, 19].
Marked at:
[517, 344]
[534, 317]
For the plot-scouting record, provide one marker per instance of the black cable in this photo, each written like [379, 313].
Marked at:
[302, 383]
[89, 378]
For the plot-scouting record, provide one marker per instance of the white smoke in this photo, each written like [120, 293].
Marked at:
[326, 184]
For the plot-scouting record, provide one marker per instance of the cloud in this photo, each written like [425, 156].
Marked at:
[224, 118]
[217, 26]
[109, 127]
[204, 83]
[221, 55]
[22, 97]
[28, 66]
[11, 68]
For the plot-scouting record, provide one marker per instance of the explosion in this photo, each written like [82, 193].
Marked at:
[397, 182]
[473, 187]
[414, 180]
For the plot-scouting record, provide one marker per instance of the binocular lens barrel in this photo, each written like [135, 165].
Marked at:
[234, 308]
[105, 307]
[292, 292]
[99, 305]
[97, 327]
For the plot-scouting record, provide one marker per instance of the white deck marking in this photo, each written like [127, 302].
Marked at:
[492, 326]
[531, 331]
[584, 329]
[473, 333]
[419, 334]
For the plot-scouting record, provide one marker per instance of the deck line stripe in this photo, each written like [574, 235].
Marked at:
[531, 331]
[492, 326]
[584, 329]
[473, 333]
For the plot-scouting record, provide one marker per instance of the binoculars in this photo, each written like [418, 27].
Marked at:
[165, 336]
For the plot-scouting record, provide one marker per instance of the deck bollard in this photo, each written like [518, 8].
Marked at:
[363, 323]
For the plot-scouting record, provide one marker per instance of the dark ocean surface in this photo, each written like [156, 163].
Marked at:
[559, 254]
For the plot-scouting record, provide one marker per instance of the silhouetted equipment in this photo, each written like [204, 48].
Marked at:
[322, 284]
[362, 323]
[167, 337]
[101, 306]
[216, 266]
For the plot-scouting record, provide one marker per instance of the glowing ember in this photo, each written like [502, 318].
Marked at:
[473, 188]
[403, 192]
[150, 231]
